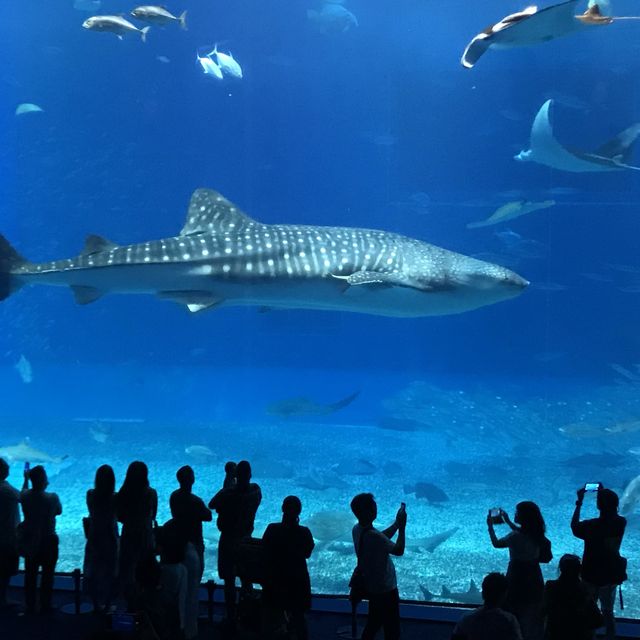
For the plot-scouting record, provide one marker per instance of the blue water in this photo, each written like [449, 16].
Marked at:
[378, 127]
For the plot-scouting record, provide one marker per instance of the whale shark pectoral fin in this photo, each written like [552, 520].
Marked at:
[95, 244]
[367, 277]
[85, 295]
[210, 212]
[194, 300]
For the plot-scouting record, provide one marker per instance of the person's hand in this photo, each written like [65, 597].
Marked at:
[401, 517]
[580, 493]
[489, 519]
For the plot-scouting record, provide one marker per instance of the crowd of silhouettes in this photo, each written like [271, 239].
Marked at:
[156, 571]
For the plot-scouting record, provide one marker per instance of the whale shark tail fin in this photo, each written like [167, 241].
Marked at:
[9, 260]
[620, 148]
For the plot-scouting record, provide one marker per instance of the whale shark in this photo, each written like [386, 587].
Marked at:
[614, 155]
[222, 257]
[532, 26]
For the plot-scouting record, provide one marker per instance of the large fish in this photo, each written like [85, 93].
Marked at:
[532, 26]
[24, 452]
[614, 155]
[222, 257]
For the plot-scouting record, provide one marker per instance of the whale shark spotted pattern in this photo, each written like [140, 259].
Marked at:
[222, 257]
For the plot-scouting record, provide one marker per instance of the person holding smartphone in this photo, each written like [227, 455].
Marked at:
[374, 548]
[603, 568]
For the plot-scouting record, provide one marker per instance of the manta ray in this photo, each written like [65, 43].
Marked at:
[532, 26]
[222, 257]
[614, 155]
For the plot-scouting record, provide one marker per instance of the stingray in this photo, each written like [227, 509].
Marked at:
[532, 26]
[511, 210]
[613, 155]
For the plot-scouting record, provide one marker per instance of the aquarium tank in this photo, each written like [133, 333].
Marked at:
[367, 246]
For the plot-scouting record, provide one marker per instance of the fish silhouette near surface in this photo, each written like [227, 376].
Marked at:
[222, 257]
[24, 452]
[306, 407]
[544, 149]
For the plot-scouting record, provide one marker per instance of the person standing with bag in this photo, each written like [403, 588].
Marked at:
[603, 568]
[375, 573]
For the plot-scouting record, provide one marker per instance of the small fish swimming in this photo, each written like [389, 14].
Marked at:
[24, 452]
[511, 210]
[306, 407]
[227, 63]
[24, 369]
[159, 16]
[209, 67]
[115, 24]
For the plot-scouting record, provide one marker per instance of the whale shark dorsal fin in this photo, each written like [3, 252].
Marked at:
[95, 244]
[210, 212]
[620, 148]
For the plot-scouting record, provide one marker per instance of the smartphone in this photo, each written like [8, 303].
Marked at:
[496, 515]
[592, 486]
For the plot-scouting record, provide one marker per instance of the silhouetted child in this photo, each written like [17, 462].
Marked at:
[101, 529]
[9, 518]
[603, 568]
[287, 546]
[490, 621]
[189, 512]
[236, 506]
[373, 549]
[136, 508]
[570, 610]
[229, 475]
[39, 539]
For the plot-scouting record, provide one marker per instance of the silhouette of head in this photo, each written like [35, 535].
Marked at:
[291, 508]
[38, 477]
[364, 508]
[186, 477]
[530, 519]
[243, 473]
[570, 567]
[4, 469]
[494, 589]
[607, 501]
[105, 480]
[137, 478]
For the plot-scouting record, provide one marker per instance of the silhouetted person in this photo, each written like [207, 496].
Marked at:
[136, 508]
[229, 474]
[236, 506]
[569, 608]
[155, 604]
[9, 518]
[490, 621]
[189, 512]
[527, 546]
[601, 561]
[287, 546]
[40, 510]
[101, 551]
[373, 549]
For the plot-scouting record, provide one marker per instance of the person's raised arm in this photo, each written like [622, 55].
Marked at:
[498, 543]
[401, 521]
[575, 518]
